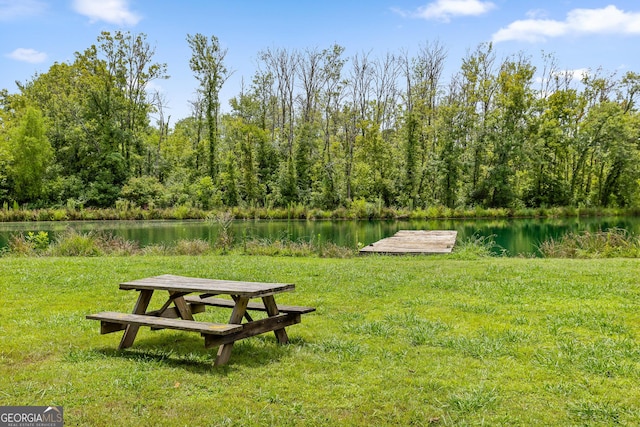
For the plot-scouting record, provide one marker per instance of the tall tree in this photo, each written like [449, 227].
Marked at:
[207, 64]
[31, 154]
[282, 65]
[331, 98]
[355, 114]
[477, 87]
[423, 75]
[130, 67]
[509, 126]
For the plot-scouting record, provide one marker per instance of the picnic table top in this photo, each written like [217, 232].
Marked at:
[174, 283]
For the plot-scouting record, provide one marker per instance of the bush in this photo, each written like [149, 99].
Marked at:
[143, 191]
[20, 246]
[39, 241]
[116, 245]
[206, 193]
[72, 243]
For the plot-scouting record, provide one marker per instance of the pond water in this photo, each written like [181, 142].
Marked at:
[513, 236]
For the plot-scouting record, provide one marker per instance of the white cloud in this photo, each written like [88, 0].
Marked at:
[12, 9]
[608, 20]
[444, 10]
[28, 55]
[111, 11]
[537, 14]
[577, 74]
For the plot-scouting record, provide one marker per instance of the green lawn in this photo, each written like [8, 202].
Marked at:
[394, 341]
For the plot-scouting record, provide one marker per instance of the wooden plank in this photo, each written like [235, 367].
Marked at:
[107, 327]
[170, 282]
[254, 328]
[172, 312]
[258, 306]
[415, 242]
[162, 322]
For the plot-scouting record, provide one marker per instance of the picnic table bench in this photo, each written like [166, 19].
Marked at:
[178, 310]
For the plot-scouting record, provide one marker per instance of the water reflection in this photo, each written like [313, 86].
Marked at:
[515, 236]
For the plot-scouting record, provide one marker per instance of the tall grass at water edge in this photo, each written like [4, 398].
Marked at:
[358, 209]
[74, 243]
[611, 243]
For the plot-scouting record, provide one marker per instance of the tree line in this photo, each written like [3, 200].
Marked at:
[318, 128]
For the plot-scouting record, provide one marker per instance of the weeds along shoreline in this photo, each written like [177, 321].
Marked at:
[359, 209]
[612, 243]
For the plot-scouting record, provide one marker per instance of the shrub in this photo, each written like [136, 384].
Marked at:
[72, 243]
[39, 241]
[20, 246]
[206, 193]
[116, 245]
[143, 191]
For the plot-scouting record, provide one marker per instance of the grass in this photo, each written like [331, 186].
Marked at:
[394, 341]
[611, 243]
[74, 243]
[358, 209]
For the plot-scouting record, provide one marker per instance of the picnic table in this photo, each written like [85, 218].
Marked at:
[189, 295]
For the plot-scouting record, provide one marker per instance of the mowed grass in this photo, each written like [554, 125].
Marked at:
[394, 341]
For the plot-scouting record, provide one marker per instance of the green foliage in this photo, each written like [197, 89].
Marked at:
[611, 243]
[19, 245]
[476, 247]
[288, 248]
[207, 64]
[30, 153]
[39, 241]
[191, 247]
[322, 131]
[72, 243]
[207, 196]
[143, 191]
[222, 221]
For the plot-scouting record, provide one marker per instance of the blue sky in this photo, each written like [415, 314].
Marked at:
[584, 34]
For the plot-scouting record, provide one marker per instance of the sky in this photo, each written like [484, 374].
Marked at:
[581, 34]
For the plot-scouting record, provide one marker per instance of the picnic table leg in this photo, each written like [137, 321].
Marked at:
[224, 352]
[182, 307]
[272, 310]
[140, 308]
[246, 313]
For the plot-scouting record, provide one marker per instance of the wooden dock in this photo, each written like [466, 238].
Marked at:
[414, 242]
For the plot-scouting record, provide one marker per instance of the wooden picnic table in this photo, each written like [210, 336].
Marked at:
[178, 310]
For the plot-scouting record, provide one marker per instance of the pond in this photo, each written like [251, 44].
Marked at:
[512, 236]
